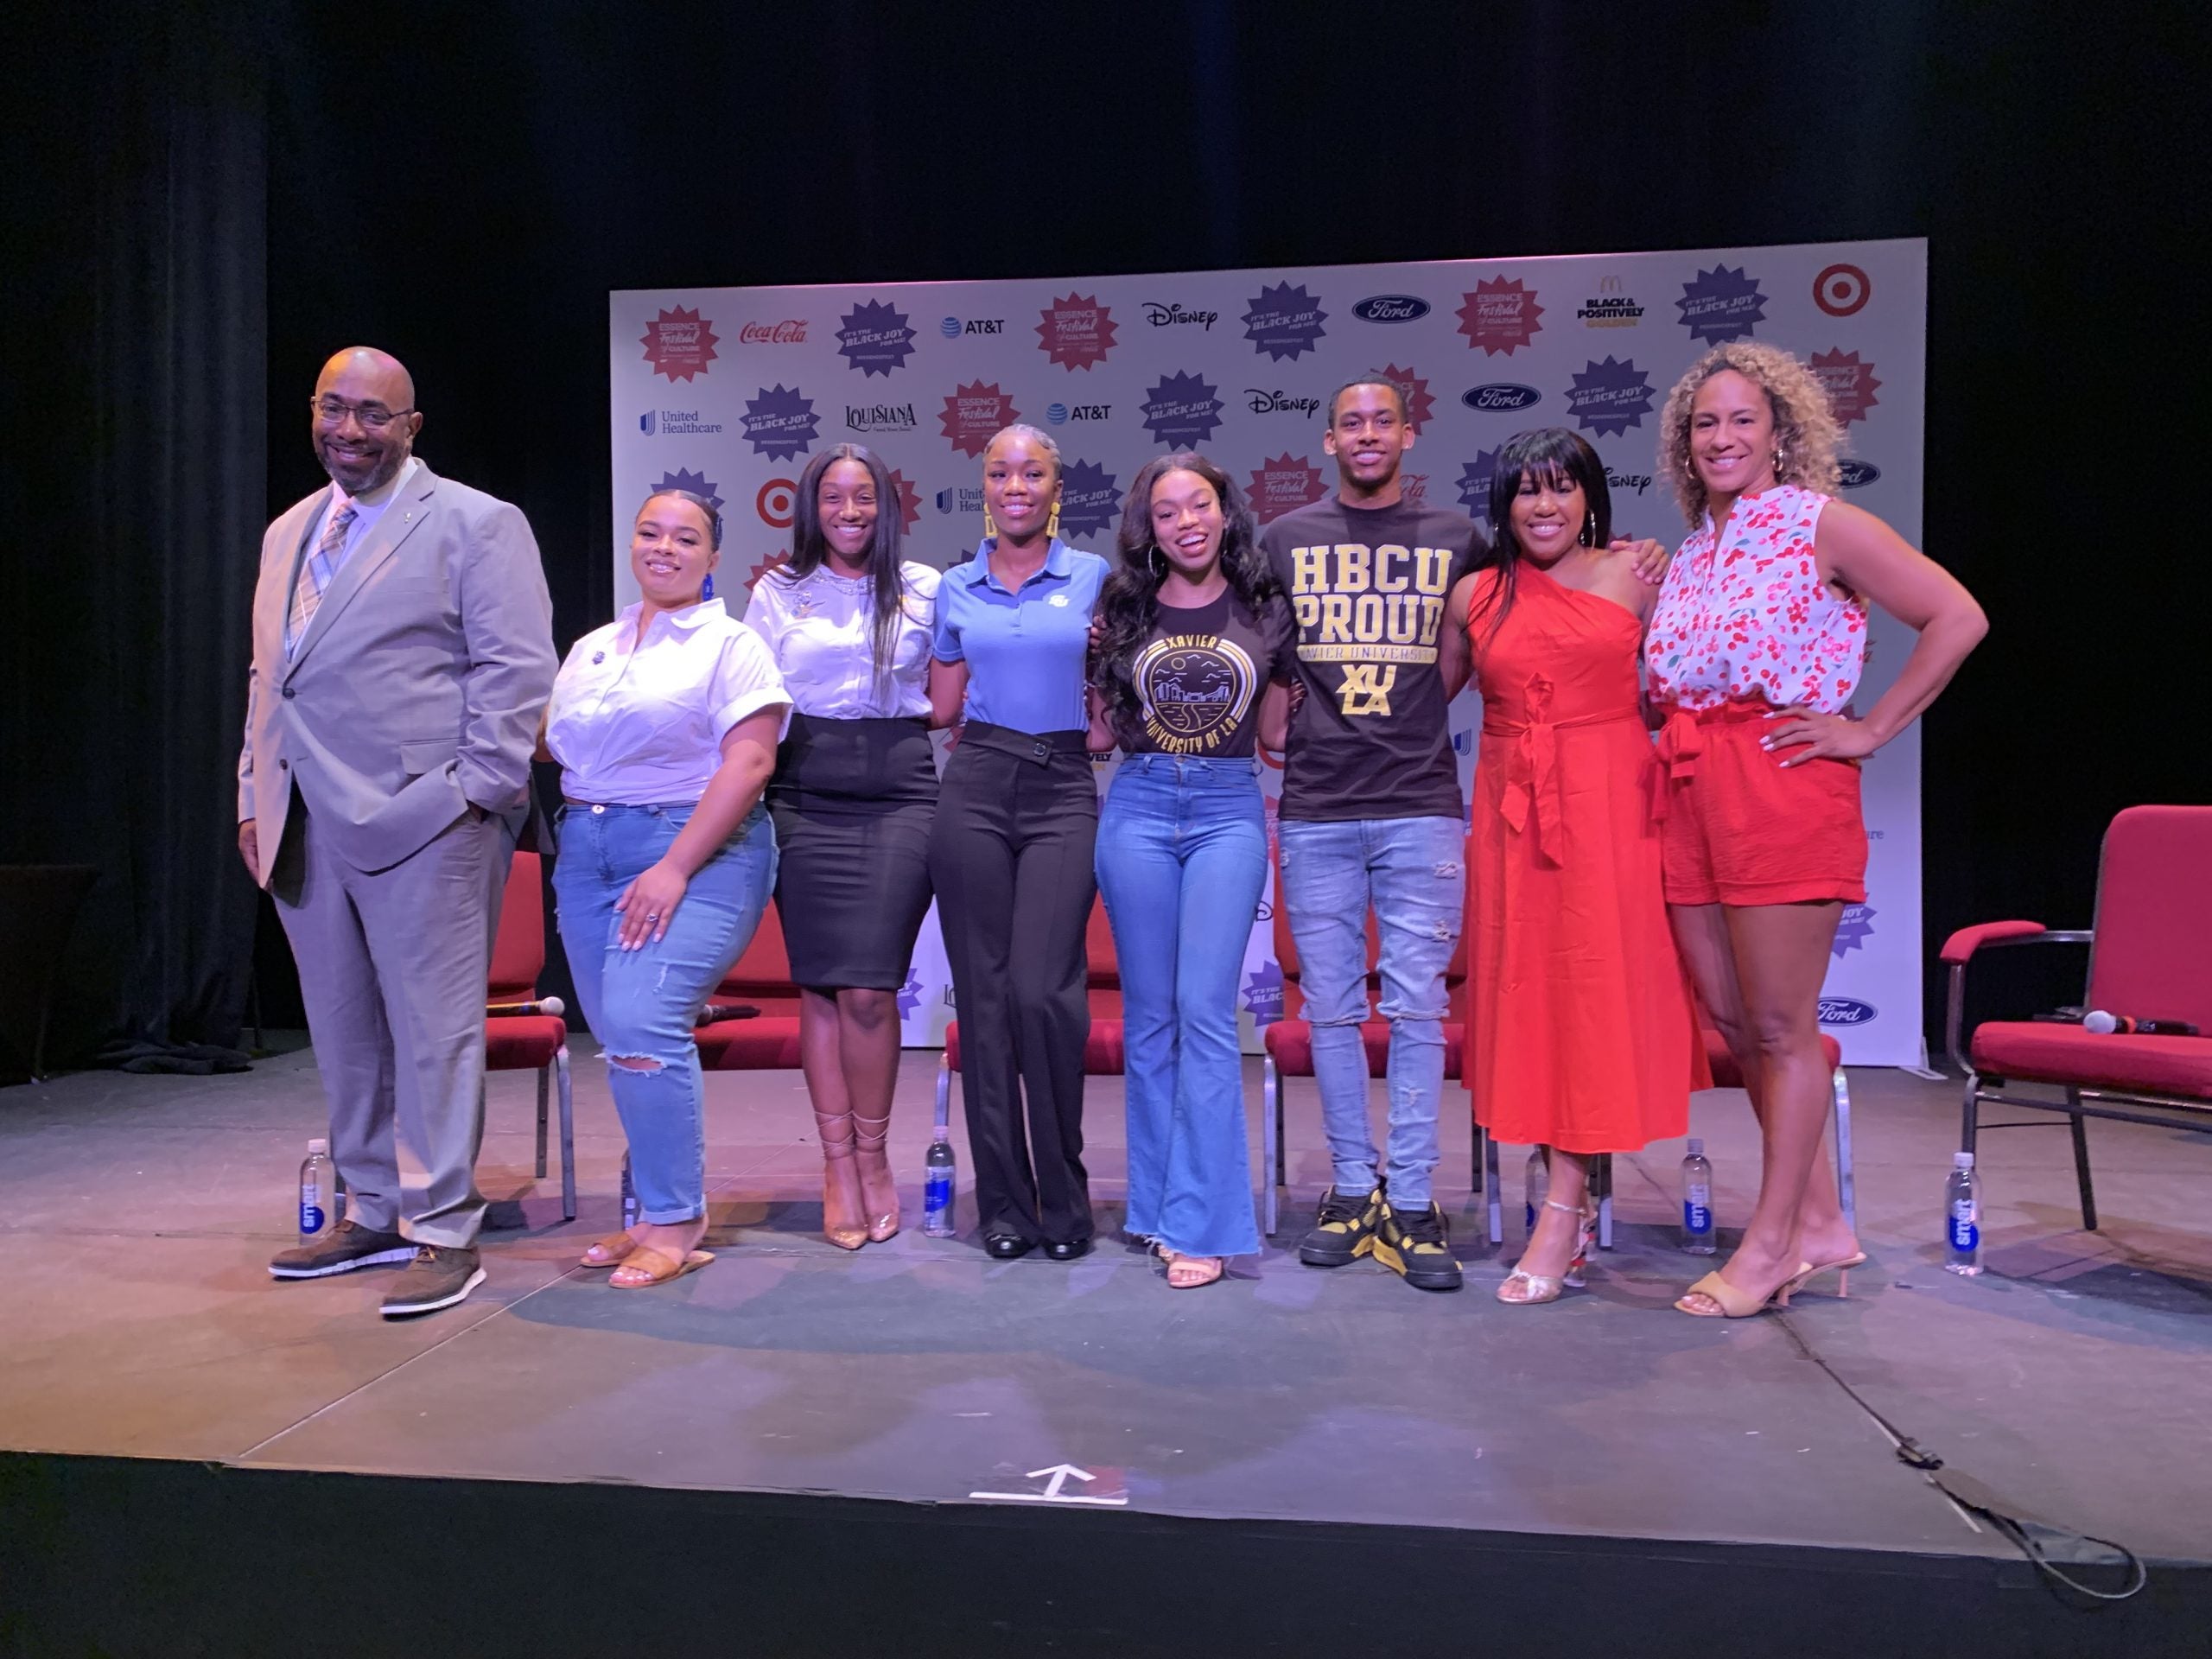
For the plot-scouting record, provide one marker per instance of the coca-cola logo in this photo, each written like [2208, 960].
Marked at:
[1501, 396]
[791, 331]
[1390, 307]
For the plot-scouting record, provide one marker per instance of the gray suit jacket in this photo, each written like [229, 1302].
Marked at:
[416, 688]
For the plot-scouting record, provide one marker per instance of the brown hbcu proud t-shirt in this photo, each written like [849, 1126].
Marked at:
[1201, 675]
[1367, 587]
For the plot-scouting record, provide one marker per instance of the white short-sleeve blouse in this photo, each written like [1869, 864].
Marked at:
[637, 721]
[820, 629]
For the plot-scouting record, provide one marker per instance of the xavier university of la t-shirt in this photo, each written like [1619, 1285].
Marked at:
[1201, 674]
[1367, 587]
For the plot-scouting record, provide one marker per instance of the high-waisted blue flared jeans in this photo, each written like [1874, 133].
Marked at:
[1182, 860]
[641, 1004]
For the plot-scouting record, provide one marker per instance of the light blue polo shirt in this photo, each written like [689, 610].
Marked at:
[1025, 650]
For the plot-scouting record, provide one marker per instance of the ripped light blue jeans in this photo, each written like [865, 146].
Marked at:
[641, 1003]
[1414, 873]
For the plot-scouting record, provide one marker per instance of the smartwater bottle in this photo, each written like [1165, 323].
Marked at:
[629, 1196]
[937, 1172]
[1536, 1183]
[318, 1198]
[1697, 1200]
[1962, 1216]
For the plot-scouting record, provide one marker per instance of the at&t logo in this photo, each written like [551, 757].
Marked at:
[953, 327]
[1060, 413]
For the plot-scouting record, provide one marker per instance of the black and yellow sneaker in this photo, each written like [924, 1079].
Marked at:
[1343, 1230]
[1414, 1244]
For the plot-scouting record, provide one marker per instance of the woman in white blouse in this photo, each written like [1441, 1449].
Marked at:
[665, 723]
[854, 792]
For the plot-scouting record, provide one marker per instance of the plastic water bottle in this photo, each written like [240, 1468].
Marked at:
[629, 1197]
[1962, 1216]
[938, 1170]
[1697, 1200]
[1537, 1185]
[317, 1200]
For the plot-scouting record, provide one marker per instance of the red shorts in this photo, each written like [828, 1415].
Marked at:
[1742, 828]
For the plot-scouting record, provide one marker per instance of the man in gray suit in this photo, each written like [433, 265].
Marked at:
[403, 651]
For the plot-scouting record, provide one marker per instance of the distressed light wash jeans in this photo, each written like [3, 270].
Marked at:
[1414, 873]
[641, 1003]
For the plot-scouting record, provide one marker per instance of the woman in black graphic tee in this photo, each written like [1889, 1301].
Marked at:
[1194, 669]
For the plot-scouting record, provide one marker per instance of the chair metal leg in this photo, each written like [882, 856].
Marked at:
[1846, 1185]
[1494, 1187]
[1270, 1142]
[2082, 1161]
[1601, 1171]
[567, 1135]
[1970, 1114]
[1475, 1156]
[544, 1076]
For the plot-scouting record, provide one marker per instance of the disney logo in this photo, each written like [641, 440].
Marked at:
[1637, 481]
[1162, 316]
[1277, 402]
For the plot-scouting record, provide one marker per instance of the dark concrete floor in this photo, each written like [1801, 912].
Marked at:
[2072, 1377]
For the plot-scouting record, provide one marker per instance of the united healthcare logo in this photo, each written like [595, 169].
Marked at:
[676, 423]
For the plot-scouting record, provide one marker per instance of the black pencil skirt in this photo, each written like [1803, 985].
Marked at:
[852, 801]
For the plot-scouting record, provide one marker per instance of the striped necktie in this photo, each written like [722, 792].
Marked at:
[315, 573]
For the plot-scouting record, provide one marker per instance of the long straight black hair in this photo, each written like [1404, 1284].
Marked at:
[811, 547]
[1553, 455]
[1129, 604]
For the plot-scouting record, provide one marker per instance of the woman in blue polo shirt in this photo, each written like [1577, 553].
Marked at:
[1010, 850]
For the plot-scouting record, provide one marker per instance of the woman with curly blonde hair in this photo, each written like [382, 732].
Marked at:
[1754, 650]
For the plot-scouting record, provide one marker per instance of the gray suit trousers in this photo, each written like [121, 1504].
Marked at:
[393, 968]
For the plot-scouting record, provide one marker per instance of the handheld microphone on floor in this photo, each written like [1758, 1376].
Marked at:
[2105, 1025]
[714, 1011]
[552, 1005]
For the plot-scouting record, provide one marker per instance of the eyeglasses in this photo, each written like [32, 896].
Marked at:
[332, 411]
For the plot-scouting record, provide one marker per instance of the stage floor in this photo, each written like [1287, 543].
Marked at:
[139, 1320]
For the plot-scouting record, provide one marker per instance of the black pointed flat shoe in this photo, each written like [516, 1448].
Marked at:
[1008, 1247]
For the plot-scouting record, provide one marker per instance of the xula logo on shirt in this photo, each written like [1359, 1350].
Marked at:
[1369, 609]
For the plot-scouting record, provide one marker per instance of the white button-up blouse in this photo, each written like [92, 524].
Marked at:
[820, 628]
[641, 721]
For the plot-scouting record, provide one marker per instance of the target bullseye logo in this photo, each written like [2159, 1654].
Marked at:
[777, 502]
[1841, 290]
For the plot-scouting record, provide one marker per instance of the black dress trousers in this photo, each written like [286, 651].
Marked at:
[1010, 856]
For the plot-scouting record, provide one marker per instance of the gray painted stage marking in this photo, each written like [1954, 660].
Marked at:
[1112, 1490]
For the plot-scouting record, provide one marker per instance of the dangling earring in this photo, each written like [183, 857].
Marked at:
[706, 586]
[1590, 527]
[1154, 559]
[990, 530]
[1052, 522]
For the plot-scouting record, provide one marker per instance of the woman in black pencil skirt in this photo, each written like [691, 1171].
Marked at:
[853, 796]
[1010, 851]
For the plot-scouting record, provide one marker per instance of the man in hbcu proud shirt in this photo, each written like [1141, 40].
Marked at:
[1371, 816]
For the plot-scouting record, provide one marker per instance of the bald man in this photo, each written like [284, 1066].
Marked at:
[403, 651]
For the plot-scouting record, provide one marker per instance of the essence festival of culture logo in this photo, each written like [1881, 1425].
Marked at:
[695, 483]
[1850, 383]
[676, 423]
[1842, 291]
[1414, 390]
[679, 344]
[1284, 321]
[1500, 315]
[1088, 501]
[1852, 932]
[779, 424]
[1181, 411]
[1611, 397]
[1076, 332]
[1263, 994]
[875, 338]
[973, 416]
[1721, 304]
[1390, 307]
[910, 502]
[1168, 313]
[1474, 484]
[1282, 483]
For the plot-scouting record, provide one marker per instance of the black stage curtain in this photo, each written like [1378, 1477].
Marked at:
[135, 315]
[463, 185]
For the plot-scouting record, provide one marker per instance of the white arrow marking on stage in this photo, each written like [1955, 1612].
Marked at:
[1053, 1492]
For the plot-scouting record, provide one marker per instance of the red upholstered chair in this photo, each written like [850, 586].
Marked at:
[1289, 1052]
[2149, 960]
[762, 978]
[1103, 1050]
[522, 1032]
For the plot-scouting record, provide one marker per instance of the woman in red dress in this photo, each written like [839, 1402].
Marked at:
[1582, 1036]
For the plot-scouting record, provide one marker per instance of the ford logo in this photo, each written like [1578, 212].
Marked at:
[1845, 1011]
[1856, 474]
[1500, 397]
[1390, 307]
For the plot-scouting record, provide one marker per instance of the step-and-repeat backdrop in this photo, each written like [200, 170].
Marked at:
[727, 392]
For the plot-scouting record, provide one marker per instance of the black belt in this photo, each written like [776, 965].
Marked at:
[1036, 748]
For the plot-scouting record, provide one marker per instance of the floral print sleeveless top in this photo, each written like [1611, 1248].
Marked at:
[1750, 618]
